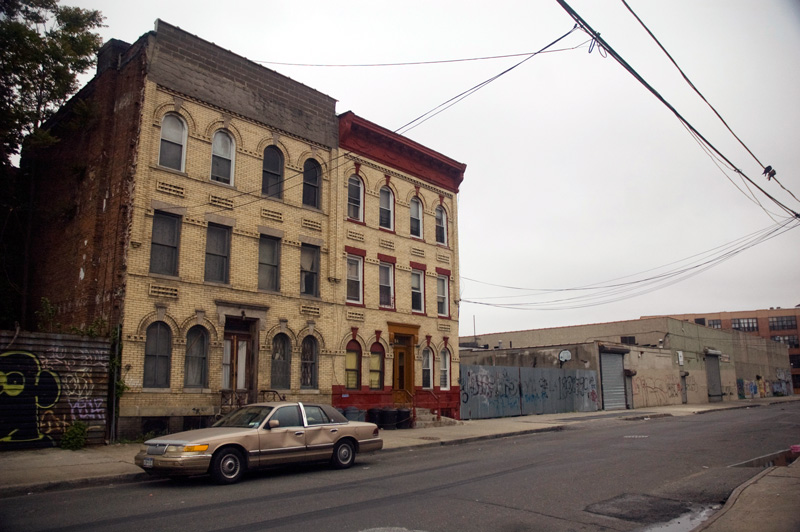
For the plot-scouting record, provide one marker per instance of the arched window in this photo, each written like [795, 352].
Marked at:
[427, 367]
[355, 199]
[441, 225]
[416, 217]
[386, 218]
[312, 183]
[308, 363]
[444, 369]
[173, 141]
[281, 363]
[272, 173]
[376, 356]
[222, 154]
[157, 355]
[352, 365]
[196, 365]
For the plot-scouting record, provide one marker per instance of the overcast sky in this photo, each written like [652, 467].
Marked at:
[576, 174]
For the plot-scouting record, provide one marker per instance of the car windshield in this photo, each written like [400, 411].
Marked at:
[246, 417]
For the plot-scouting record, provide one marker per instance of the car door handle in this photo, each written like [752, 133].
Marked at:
[334, 430]
[299, 433]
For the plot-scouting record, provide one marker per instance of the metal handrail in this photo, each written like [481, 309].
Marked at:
[413, 407]
[438, 404]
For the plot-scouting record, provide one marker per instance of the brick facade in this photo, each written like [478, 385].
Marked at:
[162, 313]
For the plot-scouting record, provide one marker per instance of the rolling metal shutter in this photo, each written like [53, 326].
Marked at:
[613, 381]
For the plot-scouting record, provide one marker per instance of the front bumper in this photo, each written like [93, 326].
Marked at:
[174, 465]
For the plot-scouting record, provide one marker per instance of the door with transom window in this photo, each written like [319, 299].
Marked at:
[238, 365]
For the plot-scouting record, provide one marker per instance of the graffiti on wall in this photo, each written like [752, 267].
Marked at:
[749, 389]
[25, 390]
[496, 391]
[49, 383]
[649, 391]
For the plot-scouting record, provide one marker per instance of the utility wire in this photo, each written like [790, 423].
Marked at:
[686, 78]
[605, 293]
[455, 99]
[588, 29]
[256, 193]
[416, 63]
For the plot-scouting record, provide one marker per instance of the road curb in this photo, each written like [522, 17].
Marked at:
[470, 439]
[731, 502]
[60, 485]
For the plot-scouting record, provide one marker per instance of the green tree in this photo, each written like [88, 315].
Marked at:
[43, 48]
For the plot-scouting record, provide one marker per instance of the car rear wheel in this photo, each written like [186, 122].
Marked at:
[344, 455]
[227, 466]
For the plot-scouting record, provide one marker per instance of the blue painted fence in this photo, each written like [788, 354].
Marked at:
[497, 391]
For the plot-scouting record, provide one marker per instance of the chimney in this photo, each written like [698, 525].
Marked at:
[108, 55]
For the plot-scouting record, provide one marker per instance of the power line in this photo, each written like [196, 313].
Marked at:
[416, 63]
[767, 170]
[256, 193]
[610, 292]
[455, 99]
[655, 93]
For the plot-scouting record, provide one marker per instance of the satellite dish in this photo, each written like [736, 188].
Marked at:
[565, 355]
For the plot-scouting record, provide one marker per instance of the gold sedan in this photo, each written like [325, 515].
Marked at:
[260, 435]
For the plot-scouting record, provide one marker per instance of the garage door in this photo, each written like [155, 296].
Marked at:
[613, 381]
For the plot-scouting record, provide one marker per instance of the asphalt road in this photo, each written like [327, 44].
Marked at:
[606, 474]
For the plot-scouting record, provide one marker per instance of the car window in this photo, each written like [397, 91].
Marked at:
[249, 416]
[315, 415]
[288, 416]
[334, 415]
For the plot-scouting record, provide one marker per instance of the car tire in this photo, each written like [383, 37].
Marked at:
[227, 466]
[344, 454]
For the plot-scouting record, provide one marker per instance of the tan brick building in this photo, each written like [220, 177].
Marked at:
[776, 324]
[241, 237]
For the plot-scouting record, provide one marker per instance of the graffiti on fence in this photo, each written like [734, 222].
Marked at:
[25, 388]
[45, 388]
[489, 391]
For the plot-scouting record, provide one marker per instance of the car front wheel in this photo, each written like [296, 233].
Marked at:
[227, 466]
[344, 454]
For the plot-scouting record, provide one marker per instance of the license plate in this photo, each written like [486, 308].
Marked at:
[147, 462]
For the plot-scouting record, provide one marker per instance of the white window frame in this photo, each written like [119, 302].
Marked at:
[444, 369]
[232, 159]
[358, 263]
[184, 134]
[381, 268]
[360, 206]
[441, 222]
[443, 295]
[427, 365]
[421, 275]
[389, 208]
[416, 201]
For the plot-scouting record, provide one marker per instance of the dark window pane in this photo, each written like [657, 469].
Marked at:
[312, 173]
[164, 245]
[268, 266]
[170, 155]
[217, 253]
[309, 270]
[272, 177]
[157, 354]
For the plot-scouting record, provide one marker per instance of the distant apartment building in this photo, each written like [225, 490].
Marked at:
[776, 324]
[242, 241]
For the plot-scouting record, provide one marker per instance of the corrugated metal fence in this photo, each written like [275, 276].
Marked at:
[49, 381]
[497, 391]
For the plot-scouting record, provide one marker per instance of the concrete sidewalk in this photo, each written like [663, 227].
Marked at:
[773, 496]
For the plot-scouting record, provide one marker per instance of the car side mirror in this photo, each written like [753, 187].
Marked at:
[274, 423]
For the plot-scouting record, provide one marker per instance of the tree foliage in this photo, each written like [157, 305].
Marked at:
[43, 48]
